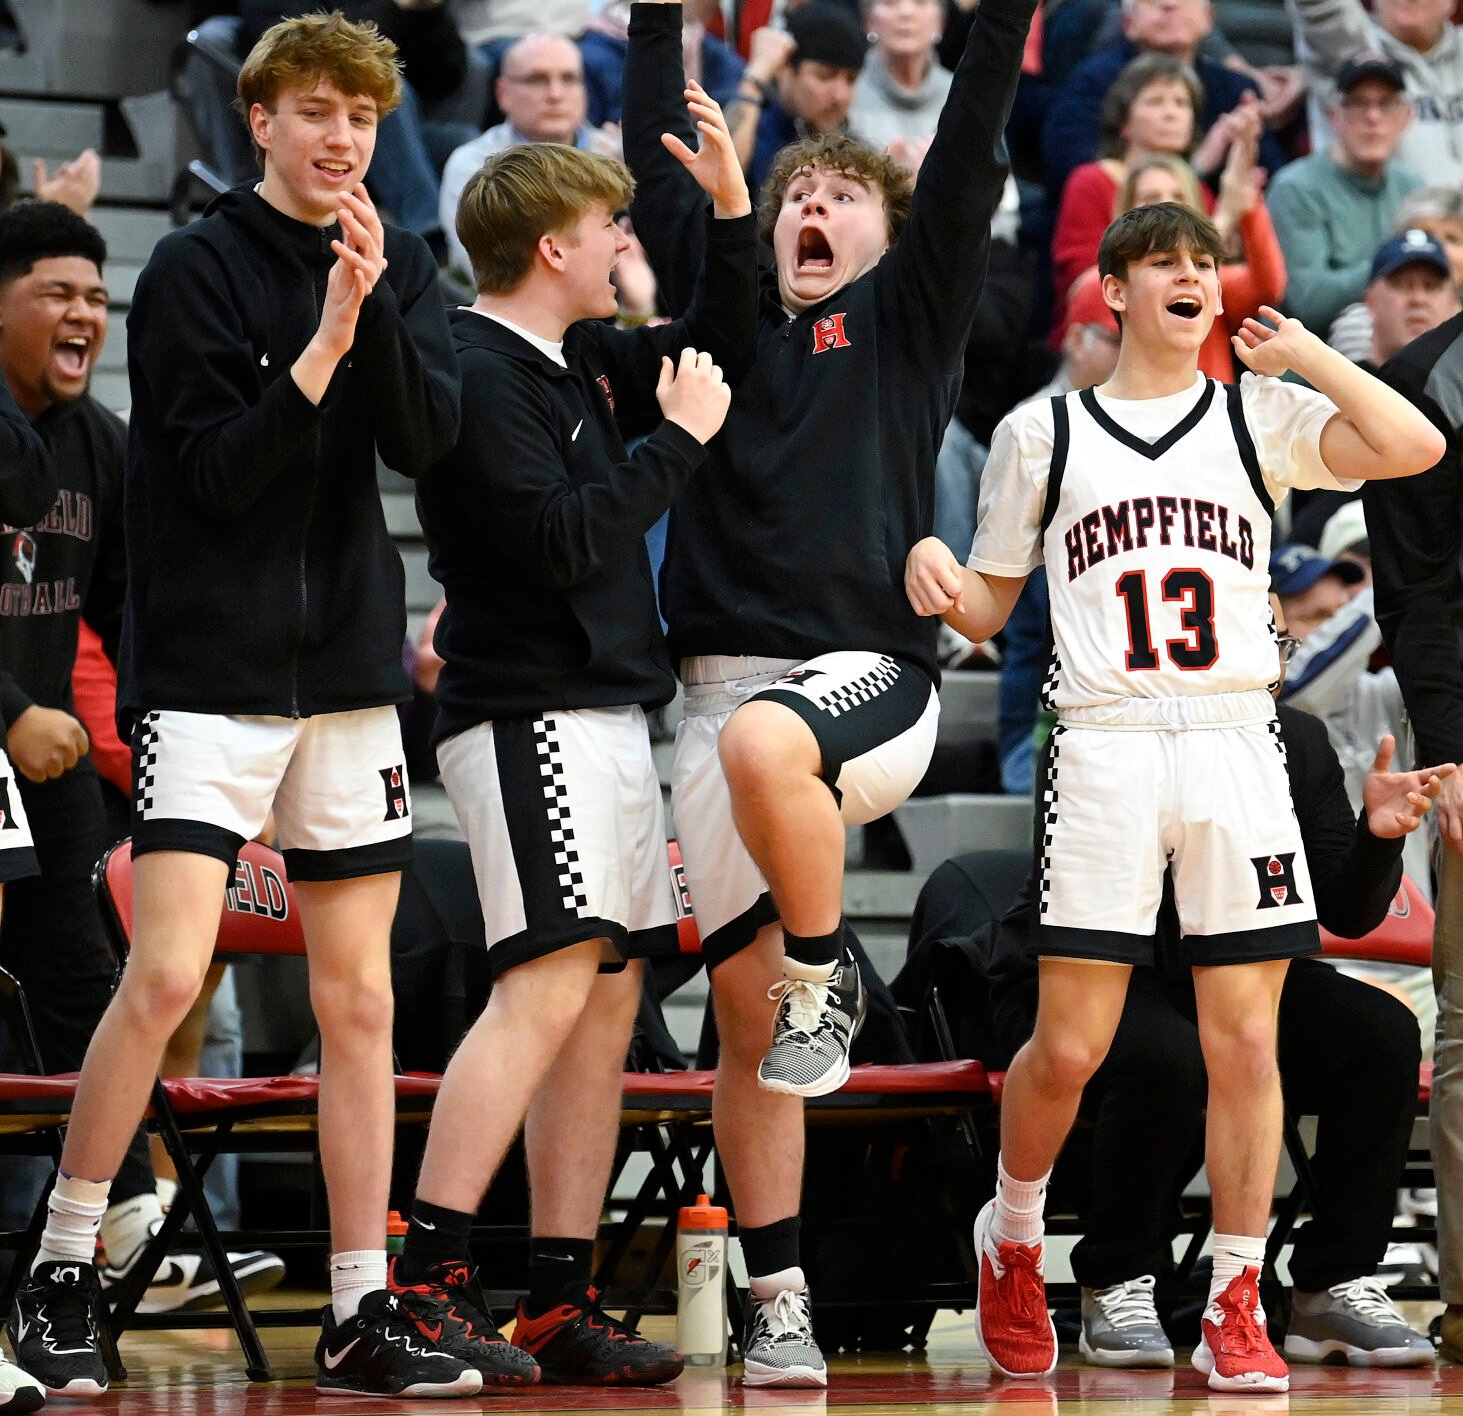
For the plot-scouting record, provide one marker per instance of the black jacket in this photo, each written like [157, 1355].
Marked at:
[1354, 876]
[793, 543]
[1415, 526]
[262, 577]
[66, 566]
[536, 519]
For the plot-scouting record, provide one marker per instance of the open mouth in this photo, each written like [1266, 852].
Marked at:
[814, 254]
[1185, 307]
[333, 169]
[71, 355]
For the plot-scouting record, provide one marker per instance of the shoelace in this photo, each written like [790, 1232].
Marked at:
[596, 1318]
[787, 1314]
[1241, 1330]
[1129, 1304]
[1022, 1292]
[807, 1004]
[70, 1322]
[1368, 1299]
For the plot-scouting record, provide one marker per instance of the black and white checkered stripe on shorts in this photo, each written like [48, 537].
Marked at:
[848, 695]
[144, 779]
[556, 808]
[1049, 813]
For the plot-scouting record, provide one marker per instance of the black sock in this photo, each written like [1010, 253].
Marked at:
[770, 1248]
[435, 1235]
[553, 1266]
[814, 948]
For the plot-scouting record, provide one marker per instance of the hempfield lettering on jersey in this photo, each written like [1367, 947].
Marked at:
[1168, 521]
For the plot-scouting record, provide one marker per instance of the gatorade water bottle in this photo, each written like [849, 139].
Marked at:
[395, 1235]
[701, 1284]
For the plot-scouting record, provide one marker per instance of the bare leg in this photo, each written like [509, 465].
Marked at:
[177, 901]
[1238, 1006]
[574, 1119]
[785, 814]
[759, 1134]
[180, 1058]
[348, 932]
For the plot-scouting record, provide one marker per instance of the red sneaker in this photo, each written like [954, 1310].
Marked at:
[1011, 1317]
[1235, 1351]
[578, 1343]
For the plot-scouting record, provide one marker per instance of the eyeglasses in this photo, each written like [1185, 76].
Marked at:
[541, 80]
[1390, 104]
[1287, 644]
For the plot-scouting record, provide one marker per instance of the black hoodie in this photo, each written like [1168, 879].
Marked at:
[262, 576]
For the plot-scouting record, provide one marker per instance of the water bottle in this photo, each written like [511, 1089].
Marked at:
[700, 1284]
[395, 1235]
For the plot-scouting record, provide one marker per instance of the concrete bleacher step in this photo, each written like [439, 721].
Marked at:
[401, 516]
[937, 827]
[52, 127]
[969, 706]
[102, 48]
[130, 232]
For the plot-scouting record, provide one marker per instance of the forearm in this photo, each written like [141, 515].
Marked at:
[1354, 892]
[986, 602]
[1333, 30]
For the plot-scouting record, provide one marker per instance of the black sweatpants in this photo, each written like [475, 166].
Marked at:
[1348, 1055]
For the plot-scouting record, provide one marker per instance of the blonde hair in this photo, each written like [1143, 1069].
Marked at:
[1176, 167]
[356, 58]
[523, 192]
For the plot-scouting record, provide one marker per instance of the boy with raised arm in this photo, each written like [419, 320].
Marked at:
[1149, 499]
[276, 346]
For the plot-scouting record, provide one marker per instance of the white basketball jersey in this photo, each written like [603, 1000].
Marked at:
[1157, 557]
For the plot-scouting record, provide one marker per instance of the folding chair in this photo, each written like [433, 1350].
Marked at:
[200, 1118]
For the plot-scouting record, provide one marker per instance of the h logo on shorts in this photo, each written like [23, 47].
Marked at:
[7, 818]
[1276, 874]
[394, 781]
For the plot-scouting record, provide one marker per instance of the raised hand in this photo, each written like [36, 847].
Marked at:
[693, 394]
[714, 165]
[1271, 351]
[75, 184]
[932, 578]
[1396, 802]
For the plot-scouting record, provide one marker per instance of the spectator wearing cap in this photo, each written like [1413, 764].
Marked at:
[798, 83]
[1311, 586]
[1420, 37]
[1410, 292]
[1334, 208]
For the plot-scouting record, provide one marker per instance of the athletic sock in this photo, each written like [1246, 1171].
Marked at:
[820, 952]
[555, 1265]
[1233, 1254]
[128, 1225]
[74, 1213]
[353, 1274]
[435, 1235]
[772, 1248]
[1019, 1207]
[167, 1191]
[769, 1285]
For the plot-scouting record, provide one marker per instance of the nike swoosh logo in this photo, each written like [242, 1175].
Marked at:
[21, 1328]
[575, 434]
[331, 1363]
[422, 1223]
[264, 361]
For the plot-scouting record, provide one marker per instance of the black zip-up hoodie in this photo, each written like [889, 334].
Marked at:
[262, 576]
[536, 520]
[793, 542]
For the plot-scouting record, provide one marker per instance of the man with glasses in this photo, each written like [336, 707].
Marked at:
[1333, 209]
[540, 88]
[1146, 1102]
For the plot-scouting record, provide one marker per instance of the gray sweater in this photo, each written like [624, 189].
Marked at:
[883, 110]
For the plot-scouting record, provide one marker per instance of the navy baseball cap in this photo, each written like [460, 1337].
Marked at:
[1414, 247]
[1296, 567]
[1370, 64]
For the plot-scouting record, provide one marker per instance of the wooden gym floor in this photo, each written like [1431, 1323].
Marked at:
[199, 1373]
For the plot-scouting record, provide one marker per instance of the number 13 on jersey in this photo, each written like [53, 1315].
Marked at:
[1193, 592]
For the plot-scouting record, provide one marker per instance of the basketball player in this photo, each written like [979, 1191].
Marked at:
[810, 684]
[1149, 500]
[276, 346]
[552, 648]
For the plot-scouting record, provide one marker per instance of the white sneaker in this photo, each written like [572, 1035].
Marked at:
[1356, 1322]
[778, 1343]
[18, 1390]
[1120, 1326]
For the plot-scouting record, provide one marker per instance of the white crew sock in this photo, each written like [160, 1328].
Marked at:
[73, 1216]
[770, 1285]
[1233, 1254]
[128, 1225]
[1019, 1207]
[353, 1274]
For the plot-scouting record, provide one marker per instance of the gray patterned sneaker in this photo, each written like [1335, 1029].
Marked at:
[1356, 1322]
[815, 1026]
[778, 1343]
[1120, 1326]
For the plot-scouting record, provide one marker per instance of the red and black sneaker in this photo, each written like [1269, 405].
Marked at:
[448, 1309]
[577, 1343]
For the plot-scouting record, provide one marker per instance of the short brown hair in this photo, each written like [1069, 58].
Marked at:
[1153, 67]
[521, 193]
[1164, 226]
[356, 58]
[836, 152]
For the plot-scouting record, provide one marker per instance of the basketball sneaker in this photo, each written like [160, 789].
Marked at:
[54, 1329]
[19, 1391]
[577, 1343]
[449, 1310]
[1120, 1326]
[818, 1016]
[1356, 1321]
[380, 1352]
[185, 1279]
[778, 1344]
[1235, 1352]
[1011, 1317]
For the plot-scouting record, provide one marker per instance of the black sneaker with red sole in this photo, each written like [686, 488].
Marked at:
[576, 1343]
[448, 1308]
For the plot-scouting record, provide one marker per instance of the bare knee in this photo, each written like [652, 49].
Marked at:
[762, 745]
[158, 993]
[1240, 1058]
[1063, 1064]
[353, 1011]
